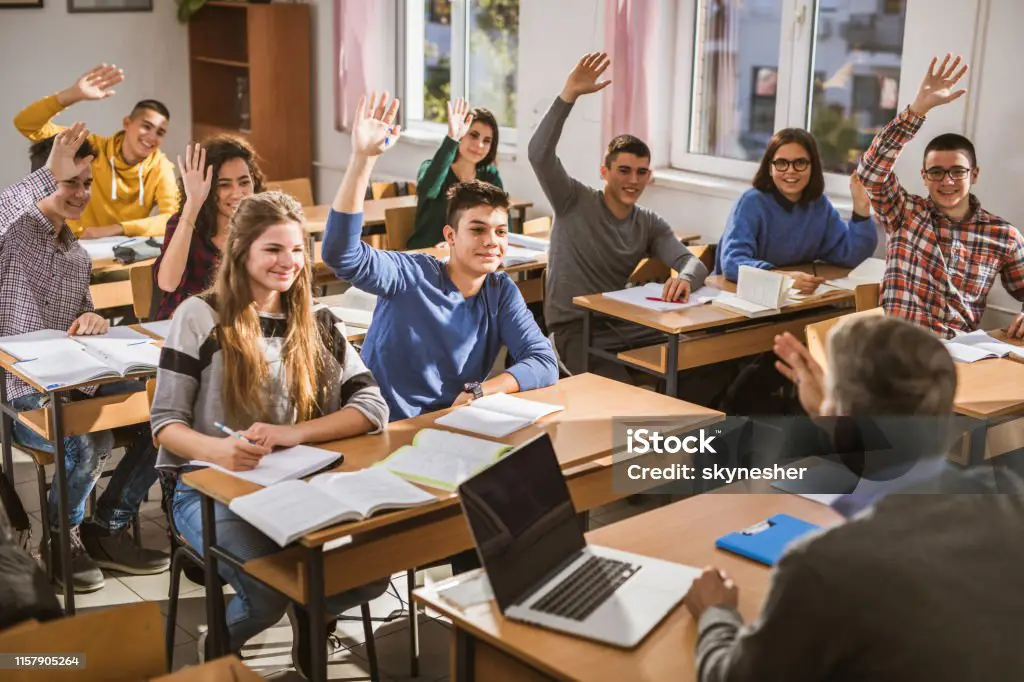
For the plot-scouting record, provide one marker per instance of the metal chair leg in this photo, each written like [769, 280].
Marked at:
[414, 625]
[172, 606]
[371, 646]
[47, 550]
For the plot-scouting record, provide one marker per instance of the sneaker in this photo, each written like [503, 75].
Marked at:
[301, 647]
[201, 644]
[86, 576]
[115, 549]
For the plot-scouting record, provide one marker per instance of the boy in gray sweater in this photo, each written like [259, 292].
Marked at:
[600, 236]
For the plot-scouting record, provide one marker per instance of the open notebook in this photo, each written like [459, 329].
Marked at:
[354, 307]
[518, 255]
[282, 465]
[528, 242]
[53, 359]
[978, 345]
[286, 511]
[649, 296]
[441, 459]
[758, 292]
[497, 415]
[870, 271]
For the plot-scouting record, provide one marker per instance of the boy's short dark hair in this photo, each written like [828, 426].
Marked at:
[951, 142]
[629, 144]
[466, 195]
[39, 152]
[152, 105]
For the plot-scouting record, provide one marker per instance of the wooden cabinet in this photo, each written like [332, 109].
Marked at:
[251, 72]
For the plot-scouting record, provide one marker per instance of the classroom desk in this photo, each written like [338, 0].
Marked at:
[348, 555]
[225, 669]
[707, 334]
[62, 419]
[487, 646]
[113, 294]
[991, 391]
[373, 213]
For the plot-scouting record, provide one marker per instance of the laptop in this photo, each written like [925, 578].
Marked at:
[541, 569]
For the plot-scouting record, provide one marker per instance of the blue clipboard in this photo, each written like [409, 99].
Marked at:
[766, 541]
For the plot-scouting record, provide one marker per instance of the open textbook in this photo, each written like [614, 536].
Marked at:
[868, 272]
[497, 415]
[519, 255]
[354, 307]
[441, 459]
[527, 242]
[53, 359]
[288, 510]
[285, 464]
[758, 292]
[649, 296]
[978, 345]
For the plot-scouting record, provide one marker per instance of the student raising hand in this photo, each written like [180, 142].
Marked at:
[94, 85]
[937, 86]
[796, 364]
[197, 179]
[373, 131]
[62, 162]
[459, 119]
[583, 79]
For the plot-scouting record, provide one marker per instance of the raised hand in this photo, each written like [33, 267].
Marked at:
[62, 162]
[196, 176]
[373, 131]
[937, 87]
[861, 200]
[94, 85]
[459, 119]
[583, 79]
[798, 365]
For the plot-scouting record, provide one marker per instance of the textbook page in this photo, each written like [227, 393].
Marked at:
[75, 366]
[288, 510]
[101, 248]
[518, 255]
[282, 465]
[497, 415]
[161, 328]
[762, 287]
[371, 490]
[37, 344]
[124, 349]
[353, 317]
[527, 242]
[640, 296]
[870, 271]
[441, 459]
[982, 340]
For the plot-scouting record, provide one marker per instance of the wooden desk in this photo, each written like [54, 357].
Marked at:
[60, 419]
[113, 294]
[393, 541]
[373, 213]
[220, 670]
[487, 646]
[707, 333]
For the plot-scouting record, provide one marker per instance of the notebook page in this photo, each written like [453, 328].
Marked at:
[965, 353]
[870, 271]
[76, 366]
[352, 317]
[744, 306]
[761, 287]
[123, 354]
[437, 469]
[516, 406]
[639, 296]
[101, 248]
[525, 241]
[37, 344]
[161, 328]
[371, 490]
[282, 465]
[984, 341]
[484, 422]
[288, 510]
[445, 441]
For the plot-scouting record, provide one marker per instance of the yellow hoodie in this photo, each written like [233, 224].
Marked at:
[121, 194]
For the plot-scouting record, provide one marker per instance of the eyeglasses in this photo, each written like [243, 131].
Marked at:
[936, 174]
[782, 165]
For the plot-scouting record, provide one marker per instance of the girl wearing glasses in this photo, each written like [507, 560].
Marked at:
[786, 219]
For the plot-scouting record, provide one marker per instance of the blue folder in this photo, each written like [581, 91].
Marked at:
[766, 541]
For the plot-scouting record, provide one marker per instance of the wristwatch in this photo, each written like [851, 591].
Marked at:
[474, 388]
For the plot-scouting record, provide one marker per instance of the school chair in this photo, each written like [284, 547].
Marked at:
[537, 226]
[118, 643]
[142, 291]
[399, 224]
[817, 333]
[866, 296]
[384, 190]
[301, 189]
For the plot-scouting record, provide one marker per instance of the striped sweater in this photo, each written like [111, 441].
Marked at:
[190, 377]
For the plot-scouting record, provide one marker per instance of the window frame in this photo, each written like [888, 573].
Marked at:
[410, 35]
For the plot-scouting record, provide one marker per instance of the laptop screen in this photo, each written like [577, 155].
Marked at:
[522, 519]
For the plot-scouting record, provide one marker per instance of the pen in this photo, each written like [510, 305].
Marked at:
[814, 268]
[653, 298]
[230, 432]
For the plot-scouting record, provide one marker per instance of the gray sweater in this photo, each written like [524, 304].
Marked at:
[591, 250]
[921, 588]
[190, 378]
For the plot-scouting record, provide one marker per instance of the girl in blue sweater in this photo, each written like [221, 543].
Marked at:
[786, 219]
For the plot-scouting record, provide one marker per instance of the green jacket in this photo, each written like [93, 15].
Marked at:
[432, 183]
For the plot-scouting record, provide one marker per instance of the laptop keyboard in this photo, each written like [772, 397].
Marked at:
[586, 588]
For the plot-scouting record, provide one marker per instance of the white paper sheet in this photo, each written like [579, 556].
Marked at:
[639, 296]
[282, 465]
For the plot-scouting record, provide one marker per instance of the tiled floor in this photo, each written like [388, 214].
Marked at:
[270, 652]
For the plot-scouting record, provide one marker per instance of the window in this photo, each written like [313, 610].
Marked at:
[460, 48]
[750, 67]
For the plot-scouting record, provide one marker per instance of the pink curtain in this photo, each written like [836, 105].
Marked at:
[355, 33]
[630, 40]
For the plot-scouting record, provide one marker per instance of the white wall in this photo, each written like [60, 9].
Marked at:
[45, 50]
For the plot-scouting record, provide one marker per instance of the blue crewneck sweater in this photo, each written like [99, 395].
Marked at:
[765, 230]
[427, 340]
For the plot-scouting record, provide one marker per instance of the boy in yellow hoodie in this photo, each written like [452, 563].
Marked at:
[131, 175]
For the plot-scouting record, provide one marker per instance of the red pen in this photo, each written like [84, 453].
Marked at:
[655, 298]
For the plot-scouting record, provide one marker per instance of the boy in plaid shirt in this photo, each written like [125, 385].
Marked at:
[943, 252]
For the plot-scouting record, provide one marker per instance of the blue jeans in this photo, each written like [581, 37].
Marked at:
[84, 459]
[255, 607]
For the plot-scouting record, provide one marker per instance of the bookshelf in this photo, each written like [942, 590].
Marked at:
[264, 49]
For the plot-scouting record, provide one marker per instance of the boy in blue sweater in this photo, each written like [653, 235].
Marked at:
[438, 325]
[786, 219]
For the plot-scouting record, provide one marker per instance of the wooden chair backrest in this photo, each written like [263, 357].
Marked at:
[537, 225]
[817, 333]
[399, 224]
[142, 290]
[300, 188]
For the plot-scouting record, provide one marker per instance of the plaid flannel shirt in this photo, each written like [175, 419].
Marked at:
[200, 271]
[938, 272]
[44, 277]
